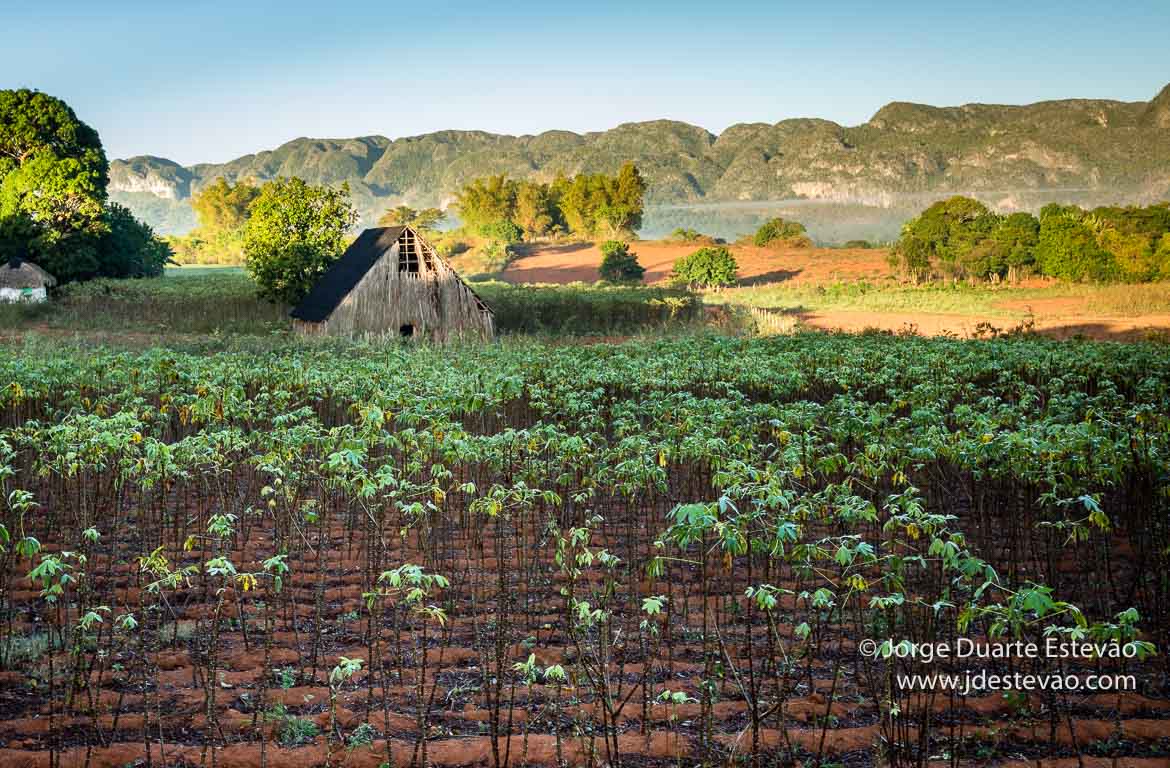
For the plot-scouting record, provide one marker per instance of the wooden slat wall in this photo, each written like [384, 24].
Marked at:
[435, 301]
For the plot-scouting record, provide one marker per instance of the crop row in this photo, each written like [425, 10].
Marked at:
[572, 554]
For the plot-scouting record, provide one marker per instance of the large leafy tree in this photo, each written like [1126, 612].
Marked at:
[536, 211]
[295, 231]
[626, 207]
[53, 176]
[53, 179]
[948, 238]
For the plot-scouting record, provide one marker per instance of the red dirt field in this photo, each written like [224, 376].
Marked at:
[757, 266]
[1062, 325]
[1059, 317]
[169, 697]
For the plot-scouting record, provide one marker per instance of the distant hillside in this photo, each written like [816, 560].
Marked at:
[1007, 155]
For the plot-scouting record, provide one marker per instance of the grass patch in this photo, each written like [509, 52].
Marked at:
[1111, 300]
[213, 303]
[184, 300]
[294, 731]
[580, 309]
[216, 302]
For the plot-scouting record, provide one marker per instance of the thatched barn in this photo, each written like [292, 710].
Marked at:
[391, 281]
[22, 280]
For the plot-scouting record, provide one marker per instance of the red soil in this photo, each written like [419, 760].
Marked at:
[1061, 326]
[1060, 317]
[757, 266]
[113, 724]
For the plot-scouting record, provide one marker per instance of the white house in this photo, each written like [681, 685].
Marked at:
[22, 280]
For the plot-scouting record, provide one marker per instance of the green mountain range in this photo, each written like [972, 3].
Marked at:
[1010, 156]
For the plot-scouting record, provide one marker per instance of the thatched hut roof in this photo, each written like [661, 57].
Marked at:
[18, 273]
[345, 273]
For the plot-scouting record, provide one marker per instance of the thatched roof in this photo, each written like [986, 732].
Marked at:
[18, 273]
[345, 273]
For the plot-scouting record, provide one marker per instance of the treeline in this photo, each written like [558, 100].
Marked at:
[586, 205]
[960, 238]
[54, 209]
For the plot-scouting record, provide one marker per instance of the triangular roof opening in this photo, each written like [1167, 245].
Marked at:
[417, 289]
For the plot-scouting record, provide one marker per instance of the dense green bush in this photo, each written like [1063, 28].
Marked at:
[618, 264]
[129, 248]
[778, 230]
[686, 235]
[501, 231]
[1068, 248]
[710, 267]
[1108, 243]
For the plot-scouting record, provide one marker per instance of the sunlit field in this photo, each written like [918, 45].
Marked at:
[699, 550]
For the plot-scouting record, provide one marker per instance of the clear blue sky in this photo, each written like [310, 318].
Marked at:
[208, 81]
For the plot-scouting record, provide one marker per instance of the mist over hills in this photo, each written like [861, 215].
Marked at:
[1090, 151]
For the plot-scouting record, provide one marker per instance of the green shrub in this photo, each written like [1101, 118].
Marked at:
[496, 256]
[710, 267]
[618, 264]
[294, 731]
[286, 677]
[779, 230]
[686, 235]
[362, 736]
[502, 231]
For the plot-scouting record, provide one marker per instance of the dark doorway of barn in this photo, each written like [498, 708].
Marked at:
[406, 331]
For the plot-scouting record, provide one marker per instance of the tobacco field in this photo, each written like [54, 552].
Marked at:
[652, 553]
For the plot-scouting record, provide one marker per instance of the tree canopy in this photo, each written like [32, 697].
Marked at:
[295, 231]
[53, 210]
[961, 238]
[224, 206]
[598, 205]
